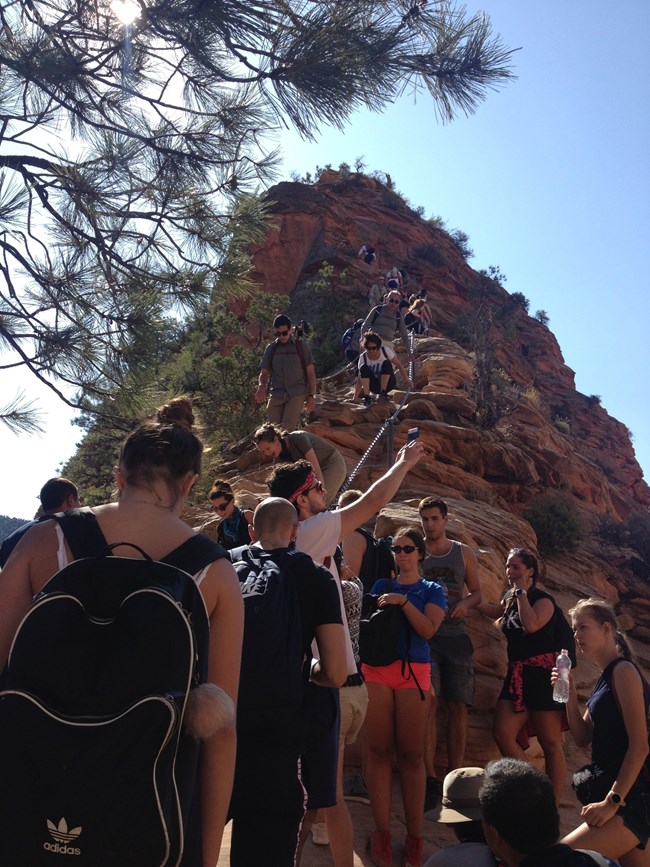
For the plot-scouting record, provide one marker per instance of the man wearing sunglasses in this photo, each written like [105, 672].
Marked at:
[319, 532]
[385, 320]
[287, 377]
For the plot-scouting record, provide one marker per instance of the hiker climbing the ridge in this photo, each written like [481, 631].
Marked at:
[367, 253]
[287, 377]
[327, 462]
[385, 320]
[376, 374]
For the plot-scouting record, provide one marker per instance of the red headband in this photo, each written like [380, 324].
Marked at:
[304, 487]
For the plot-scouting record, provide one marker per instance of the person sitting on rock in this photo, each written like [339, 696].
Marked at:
[376, 374]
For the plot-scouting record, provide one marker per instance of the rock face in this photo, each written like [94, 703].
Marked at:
[548, 437]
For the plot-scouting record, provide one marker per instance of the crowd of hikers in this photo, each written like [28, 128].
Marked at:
[176, 684]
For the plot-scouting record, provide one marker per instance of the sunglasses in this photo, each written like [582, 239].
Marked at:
[394, 301]
[223, 506]
[317, 486]
[371, 347]
[281, 333]
[407, 549]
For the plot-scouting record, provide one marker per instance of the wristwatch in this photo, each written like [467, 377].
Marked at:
[615, 798]
[520, 591]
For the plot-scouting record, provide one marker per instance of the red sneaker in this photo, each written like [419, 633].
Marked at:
[381, 848]
[414, 851]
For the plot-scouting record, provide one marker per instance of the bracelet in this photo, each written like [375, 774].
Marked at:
[403, 603]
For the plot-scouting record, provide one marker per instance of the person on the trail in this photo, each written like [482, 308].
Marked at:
[376, 374]
[385, 320]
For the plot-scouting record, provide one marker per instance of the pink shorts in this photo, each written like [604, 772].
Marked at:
[392, 677]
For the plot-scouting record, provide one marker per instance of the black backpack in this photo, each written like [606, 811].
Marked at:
[380, 631]
[377, 562]
[93, 757]
[273, 671]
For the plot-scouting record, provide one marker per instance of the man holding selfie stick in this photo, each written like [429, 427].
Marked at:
[453, 565]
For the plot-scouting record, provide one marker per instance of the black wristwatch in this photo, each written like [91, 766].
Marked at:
[520, 591]
[616, 799]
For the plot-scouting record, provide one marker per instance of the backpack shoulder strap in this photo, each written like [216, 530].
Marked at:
[195, 554]
[82, 532]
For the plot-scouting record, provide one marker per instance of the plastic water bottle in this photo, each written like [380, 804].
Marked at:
[561, 688]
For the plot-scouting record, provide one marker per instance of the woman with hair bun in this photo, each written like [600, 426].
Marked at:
[232, 530]
[616, 793]
[158, 466]
[327, 462]
[528, 617]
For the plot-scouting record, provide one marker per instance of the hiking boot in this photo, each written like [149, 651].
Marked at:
[366, 400]
[381, 848]
[354, 789]
[414, 851]
[431, 794]
[319, 834]
[383, 395]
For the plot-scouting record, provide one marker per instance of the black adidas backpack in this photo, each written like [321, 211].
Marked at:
[94, 761]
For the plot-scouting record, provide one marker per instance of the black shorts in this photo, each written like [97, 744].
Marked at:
[268, 802]
[636, 812]
[537, 689]
[320, 754]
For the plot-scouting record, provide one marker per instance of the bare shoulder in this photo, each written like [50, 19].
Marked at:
[220, 588]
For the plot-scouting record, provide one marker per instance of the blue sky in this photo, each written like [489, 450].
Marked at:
[550, 179]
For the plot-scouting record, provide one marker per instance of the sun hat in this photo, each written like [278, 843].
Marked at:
[459, 797]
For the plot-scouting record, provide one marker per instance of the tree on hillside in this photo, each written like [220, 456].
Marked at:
[129, 153]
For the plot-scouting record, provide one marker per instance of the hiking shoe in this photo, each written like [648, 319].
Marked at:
[432, 794]
[381, 848]
[319, 834]
[414, 851]
[354, 789]
[383, 395]
[366, 400]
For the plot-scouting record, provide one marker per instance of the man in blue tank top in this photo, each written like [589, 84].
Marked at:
[453, 565]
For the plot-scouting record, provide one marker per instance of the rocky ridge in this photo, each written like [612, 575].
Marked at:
[488, 476]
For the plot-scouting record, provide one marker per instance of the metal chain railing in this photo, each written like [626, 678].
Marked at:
[386, 428]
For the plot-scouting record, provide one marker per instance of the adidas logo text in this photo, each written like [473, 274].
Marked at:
[62, 837]
[61, 850]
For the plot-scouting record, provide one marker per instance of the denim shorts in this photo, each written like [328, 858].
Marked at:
[452, 670]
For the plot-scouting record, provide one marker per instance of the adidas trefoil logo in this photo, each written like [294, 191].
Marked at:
[62, 837]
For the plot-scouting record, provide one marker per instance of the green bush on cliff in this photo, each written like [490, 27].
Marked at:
[556, 521]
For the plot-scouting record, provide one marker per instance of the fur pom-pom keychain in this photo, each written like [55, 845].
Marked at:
[209, 709]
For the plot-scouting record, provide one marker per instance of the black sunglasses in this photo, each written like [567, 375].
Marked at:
[223, 506]
[281, 333]
[317, 486]
[407, 549]
[371, 346]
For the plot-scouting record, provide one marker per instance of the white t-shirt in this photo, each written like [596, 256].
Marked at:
[318, 536]
[385, 352]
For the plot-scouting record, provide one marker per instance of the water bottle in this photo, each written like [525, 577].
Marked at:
[561, 688]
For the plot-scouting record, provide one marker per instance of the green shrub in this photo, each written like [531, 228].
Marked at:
[542, 316]
[556, 521]
[595, 399]
[431, 253]
[391, 200]
[518, 299]
[460, 240]
[562, 424]
[638, 529]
